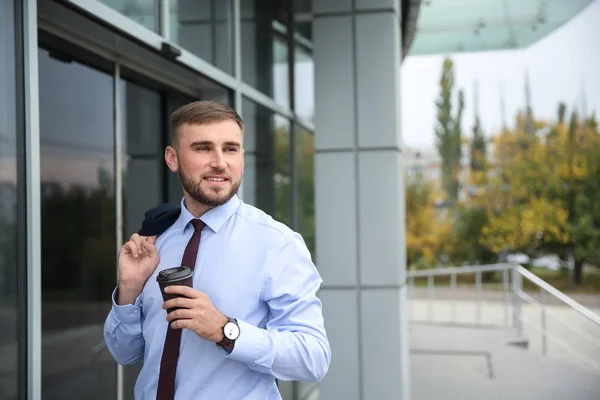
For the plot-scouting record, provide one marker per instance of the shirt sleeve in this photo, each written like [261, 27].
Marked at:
[123, 331]
[294, 344]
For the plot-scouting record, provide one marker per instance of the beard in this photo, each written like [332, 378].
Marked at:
[210, 199]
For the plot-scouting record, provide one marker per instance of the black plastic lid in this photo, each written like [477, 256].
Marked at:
[174, 274]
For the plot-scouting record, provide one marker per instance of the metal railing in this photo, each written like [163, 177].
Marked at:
[546, 289]
[453, 272]
[512, 297]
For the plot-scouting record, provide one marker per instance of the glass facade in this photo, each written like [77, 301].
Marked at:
[305, 189]
[144, 12]
[88, 101]
[264, 46]
[204, 27]
[142, 151]
[267, 166]
[12, 338]
[78, 226]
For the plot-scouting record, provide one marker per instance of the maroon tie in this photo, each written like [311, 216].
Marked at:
[168, 363]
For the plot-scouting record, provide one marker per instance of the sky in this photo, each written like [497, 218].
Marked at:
[561, 66]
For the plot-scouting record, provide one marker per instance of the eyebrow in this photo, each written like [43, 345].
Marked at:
[209, 143]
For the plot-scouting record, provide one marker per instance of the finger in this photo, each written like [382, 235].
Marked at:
[149, 248]
[132, 248]
[180, 302]
[182, 323]
[151, 239]
[182, 313]
[184, 291]
[138, 241]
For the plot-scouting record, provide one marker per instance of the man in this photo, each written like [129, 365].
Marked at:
[252, 315]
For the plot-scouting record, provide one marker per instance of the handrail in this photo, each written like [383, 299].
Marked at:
[564, 345]
[568, 325]
[560, 295]
[513, 289]
[458, 270]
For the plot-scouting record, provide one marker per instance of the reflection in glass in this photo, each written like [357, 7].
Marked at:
[267, 176]
[143, 160]
[78, 228]
[305, 193]
[264, 47]
[304, 67]
[9, 338]
[205, 28]
[304, 82]
[144, 12]
[305, 212]
[143, 163]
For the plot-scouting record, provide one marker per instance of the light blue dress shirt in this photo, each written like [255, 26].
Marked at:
[252, 268]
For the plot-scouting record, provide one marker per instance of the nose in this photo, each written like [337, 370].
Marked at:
[218, 160]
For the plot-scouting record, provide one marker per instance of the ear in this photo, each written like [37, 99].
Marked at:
[243, 159]
[171, 159]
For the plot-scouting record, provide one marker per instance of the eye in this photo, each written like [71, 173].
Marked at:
[231, 149]
[202, 148]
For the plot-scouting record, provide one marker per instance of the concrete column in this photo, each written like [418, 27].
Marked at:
[360, 224]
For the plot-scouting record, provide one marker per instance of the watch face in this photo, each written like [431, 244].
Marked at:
[231, 331]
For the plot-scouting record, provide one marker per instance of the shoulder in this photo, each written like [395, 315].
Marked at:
[275, 237]
[261, 223]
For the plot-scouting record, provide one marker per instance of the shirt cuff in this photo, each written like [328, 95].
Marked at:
[128, 313]
[249, 346]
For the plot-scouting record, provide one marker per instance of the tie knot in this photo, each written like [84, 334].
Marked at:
[197, 224]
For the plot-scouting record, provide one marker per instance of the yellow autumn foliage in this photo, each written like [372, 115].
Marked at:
[531, 176]
[428, 230]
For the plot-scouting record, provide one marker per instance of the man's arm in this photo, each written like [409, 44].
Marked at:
[138, 259]
[294, 345]
[123, 331]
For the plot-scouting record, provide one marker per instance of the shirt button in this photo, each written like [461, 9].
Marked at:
[141, 305]
[135, 311]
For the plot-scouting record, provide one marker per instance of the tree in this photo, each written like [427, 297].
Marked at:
[521, 214]
[428, 229]
[585, 227]
[468, 224]
[540, 197]
[448, 131]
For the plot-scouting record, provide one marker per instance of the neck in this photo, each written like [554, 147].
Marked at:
[195, 208]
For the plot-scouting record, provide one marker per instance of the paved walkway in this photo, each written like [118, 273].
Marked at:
[452, 359]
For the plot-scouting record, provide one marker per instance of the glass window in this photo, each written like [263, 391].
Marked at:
[304, 82]
[304, 67]
[143, 156]
[78, 227]
[267, 165]
[205, 28]
[305, 193]
[264, 47]
[143, 166]
[144, 12]
[9, 329]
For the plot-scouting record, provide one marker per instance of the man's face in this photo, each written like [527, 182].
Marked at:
[209, 160]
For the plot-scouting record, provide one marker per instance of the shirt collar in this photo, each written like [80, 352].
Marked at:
[214, 218]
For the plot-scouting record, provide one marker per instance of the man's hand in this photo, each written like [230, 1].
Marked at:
[137, 261]
[197, 313]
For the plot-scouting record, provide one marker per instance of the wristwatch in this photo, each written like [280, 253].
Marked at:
[231, 331]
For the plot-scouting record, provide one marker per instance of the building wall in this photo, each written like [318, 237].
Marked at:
[95, 99]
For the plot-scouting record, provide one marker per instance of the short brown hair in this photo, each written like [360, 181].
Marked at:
[202, 113]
